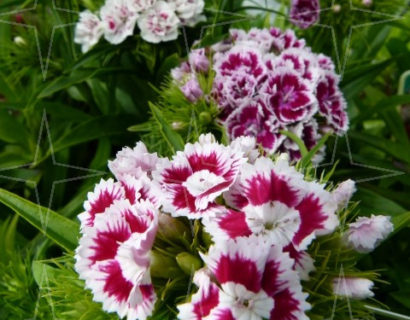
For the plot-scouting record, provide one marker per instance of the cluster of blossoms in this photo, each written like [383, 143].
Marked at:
[268, 81]
[260, 214]
[158, 20]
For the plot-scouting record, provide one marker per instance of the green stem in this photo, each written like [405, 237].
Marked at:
[388, 314]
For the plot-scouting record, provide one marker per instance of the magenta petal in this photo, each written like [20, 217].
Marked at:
[115, 284]
[227, 270]
[312, 218]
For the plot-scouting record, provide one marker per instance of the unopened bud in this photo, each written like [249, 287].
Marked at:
[177, 125]
[188, 263]
[163, 266]
[19, 41]
[336, 8]
[172, 228]
[205, 117]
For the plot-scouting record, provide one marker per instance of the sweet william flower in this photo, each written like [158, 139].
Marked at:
[134, 162]
[255, 281]
[197, 176]
[88, 30]
[141, 5]
[119, 20]
[187, 10]
[113, 258]
[351, 287]
[366, 233]
[276, 204]
[198, 60]
[304, 13]
[159, 23]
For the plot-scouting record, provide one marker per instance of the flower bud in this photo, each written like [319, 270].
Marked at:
[337, 8]
[366, 233]
[342, 194]
[192, 90]
[355, 288]
[19, 41]
[188, 263]
[205, 117]
[172, 228]
[163, 266]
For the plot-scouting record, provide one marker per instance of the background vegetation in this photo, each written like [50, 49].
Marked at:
[64, 114]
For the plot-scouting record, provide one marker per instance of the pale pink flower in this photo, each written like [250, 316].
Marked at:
[343, 193]
[192, 90]
[366, 233]
[134, 162]
[351, 287]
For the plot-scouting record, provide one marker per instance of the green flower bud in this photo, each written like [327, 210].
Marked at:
[205, 117]
[172, 228]
[188, 263]
[163, 266]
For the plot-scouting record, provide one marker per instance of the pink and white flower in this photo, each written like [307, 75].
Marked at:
[197, 176]
[118, 20]
[304, 13]
[255, 120]
[332, 105]
[289, 96]
[366, 233]
[108, 192]
[265, 288]
[303, 262]
[134, 162]
[351, 287]
[279, 205]
[88, 30]
[159, 23]
[113, 258]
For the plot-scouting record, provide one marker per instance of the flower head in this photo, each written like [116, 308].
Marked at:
[304, 13]
[159, 23]
[118, 20]
[265, 288]
[134, 162]
[276, 203]
[88, 30]
[367, 232]
[196, 176]
[113, 258]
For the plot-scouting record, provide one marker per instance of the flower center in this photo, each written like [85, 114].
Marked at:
[201, 182]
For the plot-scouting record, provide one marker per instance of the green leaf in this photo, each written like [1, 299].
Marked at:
[401, 221]
[95, 128]
[61, 230]
[306, 160]
[11, 130]
[356, 79]
[65, 82]
[173, 139]
[302, 148]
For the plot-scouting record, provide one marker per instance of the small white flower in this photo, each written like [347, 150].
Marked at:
[356, 288]
[366, 233]
[343, 193]
[159, 23]
[88, 30]
[141, 5]
[187, 10]
[118, 19]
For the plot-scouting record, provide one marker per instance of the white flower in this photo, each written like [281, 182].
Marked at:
[141, 5]
[356, 288]
[88, 30]
[159, 23]
[343, 193]
[119, 20]
[366, 233]
[188, 9]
